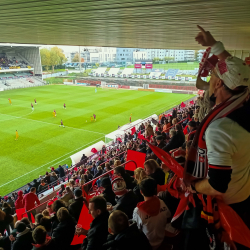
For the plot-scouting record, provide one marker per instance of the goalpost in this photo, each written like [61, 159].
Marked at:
[103, 84]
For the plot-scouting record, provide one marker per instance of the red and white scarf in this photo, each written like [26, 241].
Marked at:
[196, 166]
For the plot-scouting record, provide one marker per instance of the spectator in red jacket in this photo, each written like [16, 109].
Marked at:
[29, 202]
[19, 202]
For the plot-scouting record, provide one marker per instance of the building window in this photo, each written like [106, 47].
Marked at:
[124, 50]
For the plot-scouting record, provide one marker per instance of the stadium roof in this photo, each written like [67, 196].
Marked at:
[125, 23]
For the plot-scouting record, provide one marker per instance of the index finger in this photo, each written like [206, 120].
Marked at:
[201, 29]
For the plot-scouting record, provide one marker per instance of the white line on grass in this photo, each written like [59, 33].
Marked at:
[64, 154]
[50, 162]
[53, 124]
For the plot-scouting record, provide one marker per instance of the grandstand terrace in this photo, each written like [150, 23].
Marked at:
[173, 180]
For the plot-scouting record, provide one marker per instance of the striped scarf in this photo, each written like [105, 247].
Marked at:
[196, 166]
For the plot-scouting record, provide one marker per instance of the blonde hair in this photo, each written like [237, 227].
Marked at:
[99, 168]
[174, 121]
[117, 163]
[82, 179]
[140, 174]
[72, 181]
[2, 215]
[151, 164]
[45, 213]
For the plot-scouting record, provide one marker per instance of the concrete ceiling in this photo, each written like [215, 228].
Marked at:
[125, 23]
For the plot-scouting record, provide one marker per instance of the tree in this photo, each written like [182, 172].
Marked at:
[76, 58]
[168, 58]
[45, 57]
[156, 59]
[52, 57]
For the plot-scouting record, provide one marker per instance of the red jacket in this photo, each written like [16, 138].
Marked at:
[19, 202]
[29, 201]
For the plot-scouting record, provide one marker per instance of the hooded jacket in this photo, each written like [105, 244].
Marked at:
[131, 238]
[152, 217]
[19, 202]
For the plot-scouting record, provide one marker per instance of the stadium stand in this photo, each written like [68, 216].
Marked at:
[172, 72]
[113, 71]
[141, 176]
[100, 71]
[127, 71]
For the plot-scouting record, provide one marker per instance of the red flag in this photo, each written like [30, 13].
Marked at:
[168, 160]
[84, 194]
[185, 131]
[139, 134]
[183, 105]
[93, 183]
[233, 224]
[85, 219]
[133, 130]
[118, 139]
[161, 188]
[191, 102]
[93, 150]
[19, 213]
[136, 156]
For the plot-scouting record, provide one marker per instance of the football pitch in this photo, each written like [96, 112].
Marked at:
[42, 143]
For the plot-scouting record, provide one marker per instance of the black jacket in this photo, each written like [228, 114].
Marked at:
[54, 222]
[129, 239]
[159, 176]
[64, 233]
[61, 172]
[129, 181]
[161, 145]
[76, 207]
[109, 195]
[50, 245]
[36, 185]
[172, 144]
[97, 234]
[137, 192]
[23, 241]
[181, 138]
[127, 203]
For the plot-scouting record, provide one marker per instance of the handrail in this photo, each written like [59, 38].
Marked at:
[85, 184]
[51, 185]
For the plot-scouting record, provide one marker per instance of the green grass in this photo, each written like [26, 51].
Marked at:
[42, 143]
[181, 66]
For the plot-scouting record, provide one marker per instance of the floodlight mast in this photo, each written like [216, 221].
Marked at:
[80, 58]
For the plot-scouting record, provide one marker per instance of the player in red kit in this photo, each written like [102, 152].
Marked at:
[61, 124]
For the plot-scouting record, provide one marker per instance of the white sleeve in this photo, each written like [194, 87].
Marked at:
[220, 146]
[137, 218]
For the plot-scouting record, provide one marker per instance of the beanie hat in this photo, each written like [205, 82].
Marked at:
[52, 168]
[20, 227]
[118, 185]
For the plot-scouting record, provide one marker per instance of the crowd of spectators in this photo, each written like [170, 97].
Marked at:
[10, 62]
[121, 192]
[135, 209]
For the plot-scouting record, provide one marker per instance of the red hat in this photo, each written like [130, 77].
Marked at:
[52, 168]
[118, 185]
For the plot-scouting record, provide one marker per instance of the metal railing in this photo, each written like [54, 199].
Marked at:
[86, 184]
